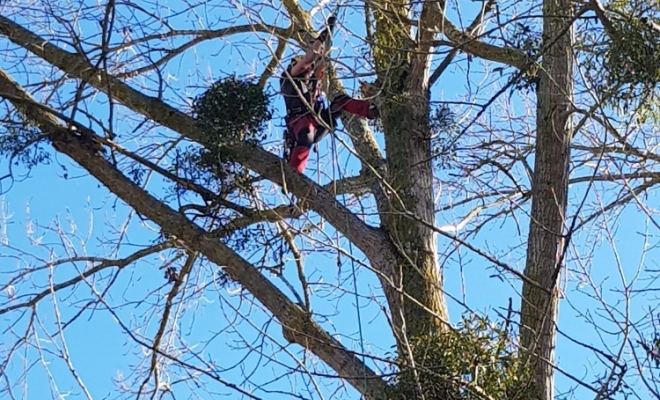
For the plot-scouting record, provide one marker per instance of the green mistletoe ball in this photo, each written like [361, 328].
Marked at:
[233, 109]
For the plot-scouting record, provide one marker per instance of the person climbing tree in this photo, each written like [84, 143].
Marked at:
[307, 119]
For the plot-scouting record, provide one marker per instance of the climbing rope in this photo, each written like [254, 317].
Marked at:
[336, 167]
[336, 170]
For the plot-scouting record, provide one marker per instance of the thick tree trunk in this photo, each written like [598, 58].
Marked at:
[408, 157]
[550, 187]
[401, 68]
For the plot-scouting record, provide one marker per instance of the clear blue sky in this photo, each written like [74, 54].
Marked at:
[215, 323]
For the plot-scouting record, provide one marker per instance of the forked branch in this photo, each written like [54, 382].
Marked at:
[297, 324]
[372, 242]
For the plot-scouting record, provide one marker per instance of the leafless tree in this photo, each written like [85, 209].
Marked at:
[233, 263]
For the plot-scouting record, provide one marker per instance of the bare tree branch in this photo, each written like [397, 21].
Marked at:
[121, 263]
[298, 258]
[202, 36]
[178, 283]
[435, 18]
[297, 324]
[207, 34]
[369, 240]
[299, 18]
[474, 26]
[355, 185]
[598, 8]
[273, 63]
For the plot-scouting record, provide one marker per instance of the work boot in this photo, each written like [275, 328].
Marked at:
[361, 108]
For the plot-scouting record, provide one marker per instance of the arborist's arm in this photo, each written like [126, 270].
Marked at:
[313, 52]
[319, 68]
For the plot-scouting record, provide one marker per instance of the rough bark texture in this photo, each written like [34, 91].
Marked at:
[402, 66]
[550, 187]
[408, 154]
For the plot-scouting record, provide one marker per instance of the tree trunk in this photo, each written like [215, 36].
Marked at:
[409, 155]
[405, 121]
[550, 187]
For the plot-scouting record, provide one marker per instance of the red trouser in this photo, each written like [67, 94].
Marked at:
[309, 129]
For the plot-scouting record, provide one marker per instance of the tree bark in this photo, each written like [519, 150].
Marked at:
[409, 154]
[550, 187]
[402, 64]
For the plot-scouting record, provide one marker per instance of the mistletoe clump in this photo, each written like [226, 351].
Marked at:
[22, 142]
[233, 110]
[475, 361]
[631, 60]
[230, 112]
